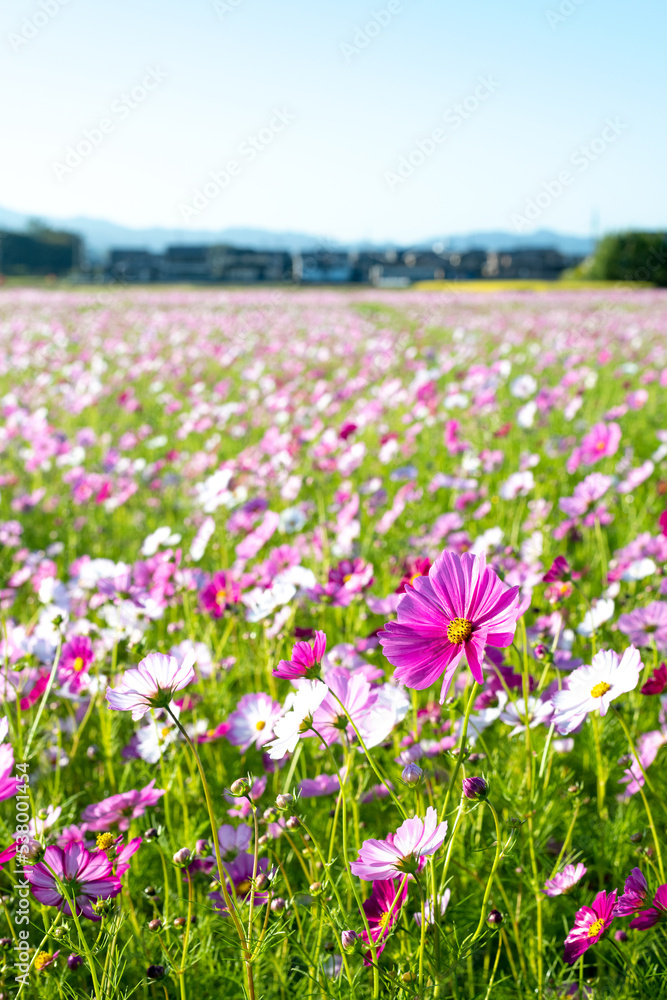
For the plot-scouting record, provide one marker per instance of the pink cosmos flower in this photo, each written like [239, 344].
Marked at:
[654, 914]
[635, 891]
[8, 782]
[121, 808]
[456, 610]
[559, 569]
[85, 875]
[565, 880]
[323, 784]
[306, 659]
[601, 441]
[635, 477]
[403, 852]
[75, 659]
[592, 488]
[348, 578]
[382, 909]
[657, 682]
[590, 923]
[355, 693]
[219, 594]
[648, 747]
[253, 720]
[644, 624]
[7, 854]
[662, 521]
[152, 684]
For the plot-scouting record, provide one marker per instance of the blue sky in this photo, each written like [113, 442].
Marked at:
[328, 108]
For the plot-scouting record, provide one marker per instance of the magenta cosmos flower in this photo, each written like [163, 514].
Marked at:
[403, 852]
[73, 873]
[590, 923]
[635, 892]
[220, 593]
[458, 609]
[654, 914]
[152, 684]
[306, 659]
[644, 624]
[75, 660]
[382, 909]
[121, 809]
[563, 881]
[601, 441]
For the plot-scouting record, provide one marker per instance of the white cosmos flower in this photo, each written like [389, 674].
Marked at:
[514, 714]
[588, 688]
[288, 729]
[601, 612]
[639, 570]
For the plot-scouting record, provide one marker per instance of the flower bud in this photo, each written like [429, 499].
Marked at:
[412, 774]
[183, 857]
[179, 921]
[103, 907]
[201, 847]
[61, 931]
[149, 891]
[475, 788]
[42, 814]
[33, 854]
[151, 834]
[495, 918]
[5, 943]
[348, 939]
[541, 651]
[620, 936]
[315, 888]
[262, 881]
[74, 961]
[154, 925]
[293, 823]
[240, 787]
[278, 904]
[270, 814]
[155, 971]
[284, 801]
[263, 840]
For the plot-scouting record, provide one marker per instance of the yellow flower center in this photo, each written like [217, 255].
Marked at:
[414, 577]
[596, 928]
[600, 689]
[243, 888]
[41, 959]
[459, 630]
[383, 921]
[105, 841]
[260, 724]
[348, 576]
[78, 664]
[221, 598]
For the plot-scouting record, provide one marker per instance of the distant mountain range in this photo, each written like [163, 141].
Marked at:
[100, 236]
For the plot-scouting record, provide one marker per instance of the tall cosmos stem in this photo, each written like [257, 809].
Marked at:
[531, 832]
[218, 858]
[461, 748]
[494, 869]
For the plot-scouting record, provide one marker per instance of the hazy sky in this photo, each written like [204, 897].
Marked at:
[315, 105]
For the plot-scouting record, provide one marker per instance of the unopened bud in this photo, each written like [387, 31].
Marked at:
[495, 918]
[74, 961]
[103, 907]
[149, 891]
[348, 939]
[151, 834]
[183, 857]
[201, 847]
[284, 801]
[262, 881]
[154, 925]
[315, 888]
[412, 774]
[179, 921]
[475, 788]
[270, 814]
[155, 972]
[278, 904]
[240, 787]
[293, 823]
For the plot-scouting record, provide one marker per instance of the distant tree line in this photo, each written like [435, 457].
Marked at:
[631, 256]
[39, 251]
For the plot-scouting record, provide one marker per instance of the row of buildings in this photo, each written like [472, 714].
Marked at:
[383, 268]
[41, 251]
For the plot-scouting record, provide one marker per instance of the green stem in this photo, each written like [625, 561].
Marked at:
[487, 892]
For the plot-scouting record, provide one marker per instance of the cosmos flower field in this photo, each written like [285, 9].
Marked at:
[332, 639]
